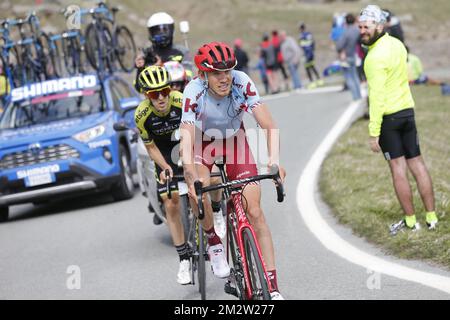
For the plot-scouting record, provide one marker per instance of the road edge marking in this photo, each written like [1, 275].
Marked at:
[310, 213]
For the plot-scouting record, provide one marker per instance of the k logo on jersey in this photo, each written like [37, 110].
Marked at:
[188, 105]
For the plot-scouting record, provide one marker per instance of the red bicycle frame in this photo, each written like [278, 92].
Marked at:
[241, 224]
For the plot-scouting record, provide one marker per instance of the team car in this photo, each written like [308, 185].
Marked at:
[57, 138]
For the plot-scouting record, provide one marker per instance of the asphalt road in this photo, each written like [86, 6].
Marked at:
[121, 255]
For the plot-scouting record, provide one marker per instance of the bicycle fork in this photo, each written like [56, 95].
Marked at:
[236, 273]
[241, 271]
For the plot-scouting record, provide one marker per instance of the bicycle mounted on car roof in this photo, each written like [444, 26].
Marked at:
[36, 56]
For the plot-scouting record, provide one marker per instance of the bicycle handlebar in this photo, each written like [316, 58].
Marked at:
[274, 175]
[179, 177]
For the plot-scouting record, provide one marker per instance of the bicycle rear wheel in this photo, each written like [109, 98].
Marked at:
[259, 286]
[186, 217]
[126, 48]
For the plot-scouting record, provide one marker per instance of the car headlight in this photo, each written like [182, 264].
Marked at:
[90, 134]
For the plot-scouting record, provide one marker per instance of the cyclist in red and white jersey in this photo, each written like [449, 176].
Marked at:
[211, 126]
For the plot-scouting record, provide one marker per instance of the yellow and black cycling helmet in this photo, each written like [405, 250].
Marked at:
[153, 78]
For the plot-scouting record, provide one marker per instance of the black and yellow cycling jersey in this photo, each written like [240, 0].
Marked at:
[156, 127]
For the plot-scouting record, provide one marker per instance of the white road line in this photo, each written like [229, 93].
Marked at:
[306, 189]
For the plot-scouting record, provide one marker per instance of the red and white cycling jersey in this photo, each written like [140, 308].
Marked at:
[219, 118]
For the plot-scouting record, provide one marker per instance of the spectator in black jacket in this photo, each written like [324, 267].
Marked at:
[241, 56]
[393, 26]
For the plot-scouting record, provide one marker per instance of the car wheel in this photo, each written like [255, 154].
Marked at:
[125, 187]
[4, 214]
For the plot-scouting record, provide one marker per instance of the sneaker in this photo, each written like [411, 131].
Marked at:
[219, 224]
[275, 295]
[431, 221]
[416, 227]
[184, 272]
[396, 227]
[432, 225]
[312, 85]
[320, 82]
[219, 264]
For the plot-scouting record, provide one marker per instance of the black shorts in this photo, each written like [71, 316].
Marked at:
[173, 184]
[399, 135]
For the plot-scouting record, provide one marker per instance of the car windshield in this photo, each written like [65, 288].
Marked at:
[65, 105]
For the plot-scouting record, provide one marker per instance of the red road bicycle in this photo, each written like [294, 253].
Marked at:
[248, 278]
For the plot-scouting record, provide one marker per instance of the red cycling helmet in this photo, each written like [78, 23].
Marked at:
[215, 56]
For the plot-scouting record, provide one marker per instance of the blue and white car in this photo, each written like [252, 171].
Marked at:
[57, 138]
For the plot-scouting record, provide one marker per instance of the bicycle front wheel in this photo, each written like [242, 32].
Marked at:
[201, 271]
[259, 287]
[48, 57]
[72, 54]
[237, 270]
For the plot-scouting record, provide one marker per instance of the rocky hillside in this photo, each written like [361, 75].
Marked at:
[425, 23]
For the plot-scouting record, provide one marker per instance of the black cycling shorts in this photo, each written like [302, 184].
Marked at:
[173, 184]
[399, 135]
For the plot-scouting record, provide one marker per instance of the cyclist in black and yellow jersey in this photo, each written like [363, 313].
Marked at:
[157, 118]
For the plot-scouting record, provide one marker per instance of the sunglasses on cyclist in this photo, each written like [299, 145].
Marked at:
[154, 94]
[222, 66]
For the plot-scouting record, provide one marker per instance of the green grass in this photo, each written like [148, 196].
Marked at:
[357, 185]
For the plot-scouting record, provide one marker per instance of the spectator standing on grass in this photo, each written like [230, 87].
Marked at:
[393, 26]
[392, 125]
[292, 55]
[361, 54]
[276, 41]
[307, 43]
[346, 47]
[260, 66]
[269, 56]
[241, 56]
[337, 27]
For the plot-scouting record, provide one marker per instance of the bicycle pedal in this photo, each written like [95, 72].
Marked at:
[230, 289]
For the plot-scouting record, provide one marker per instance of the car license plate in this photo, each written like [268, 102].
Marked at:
[37, 180]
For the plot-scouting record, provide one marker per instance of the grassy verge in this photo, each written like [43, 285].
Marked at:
[357, 184]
